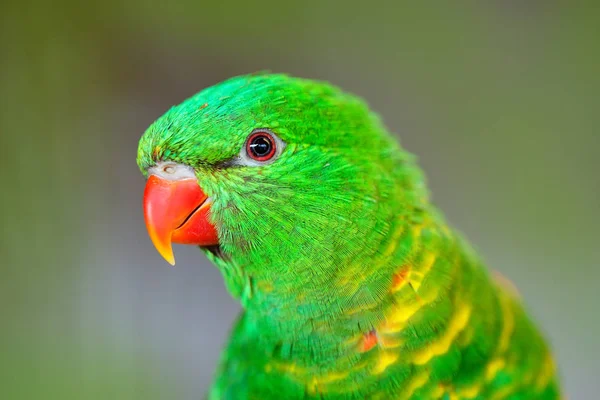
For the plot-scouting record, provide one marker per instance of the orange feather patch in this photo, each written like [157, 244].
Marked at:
[369, 341]
[399, 278]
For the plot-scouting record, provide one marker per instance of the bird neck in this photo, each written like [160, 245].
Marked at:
[331, 319]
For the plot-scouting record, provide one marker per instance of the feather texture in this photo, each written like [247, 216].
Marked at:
[352, 283]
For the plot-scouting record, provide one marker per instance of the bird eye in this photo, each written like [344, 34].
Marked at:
[261, 146]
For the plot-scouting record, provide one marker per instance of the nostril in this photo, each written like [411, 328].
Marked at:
[172, 171]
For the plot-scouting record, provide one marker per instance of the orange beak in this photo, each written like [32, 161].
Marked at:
[177, 212]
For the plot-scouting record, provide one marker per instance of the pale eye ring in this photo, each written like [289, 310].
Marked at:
[262, 147]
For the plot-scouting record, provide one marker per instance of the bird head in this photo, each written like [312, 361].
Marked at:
[276, 179]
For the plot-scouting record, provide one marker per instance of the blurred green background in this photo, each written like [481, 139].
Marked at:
[499, 99]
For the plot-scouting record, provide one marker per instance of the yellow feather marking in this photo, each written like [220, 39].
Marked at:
[287, 368]
[546, 373]
[530, 376]
[438, 392]
[291, 368]
[314, 382]
[353, 278]
[265, 286]
[441, 346]
[385, 360]
[361, 308]
[360, 366]
[382, 258]
[401, 314]
[417, 278]
[415, 384]
[474, 390]
[503, 393]
[397, 319]
[446, 230]
[471, 392]
[467, 337]
[399, 279]
[317, 382]
[468, 392]
[356, 339]
[394, 240]
[416, 230]
[509, 323]
[493, 367]
[390, 342]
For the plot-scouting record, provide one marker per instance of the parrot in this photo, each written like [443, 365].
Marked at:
[352, 284]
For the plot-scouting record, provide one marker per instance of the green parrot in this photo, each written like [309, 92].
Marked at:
[352, 284]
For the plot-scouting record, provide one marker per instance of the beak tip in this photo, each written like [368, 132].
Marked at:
[167, 254]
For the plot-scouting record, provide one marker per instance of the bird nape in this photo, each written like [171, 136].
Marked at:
[352, 284]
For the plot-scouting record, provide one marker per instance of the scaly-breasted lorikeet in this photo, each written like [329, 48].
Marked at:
[352, 284]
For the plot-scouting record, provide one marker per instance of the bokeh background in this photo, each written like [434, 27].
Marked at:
[499, 99]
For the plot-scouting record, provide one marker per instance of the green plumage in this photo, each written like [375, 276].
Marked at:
[352, 284]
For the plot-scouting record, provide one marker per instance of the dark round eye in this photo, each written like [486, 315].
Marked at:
[261, 146]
